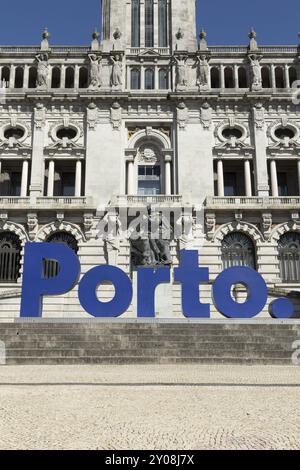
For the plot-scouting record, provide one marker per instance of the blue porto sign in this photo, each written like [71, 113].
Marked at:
[189, 275]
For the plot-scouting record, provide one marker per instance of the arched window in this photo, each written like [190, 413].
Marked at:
[51, 268]
[149, 79]
[56, 76]
[243, 80]
[70, 77]
[265, 75]
[215, 77]
[238, 250]
[32, 77]
[83, 77]
[19, 77]
[163, 79]
[5, 74]
[162, 23]
[10, 257]
[279, 77]
[135, 23]
[135, 79]
[228, 74]
[292, 76]
[149, 23]
[289, 257]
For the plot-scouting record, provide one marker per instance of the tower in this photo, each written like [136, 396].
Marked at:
[149, 24]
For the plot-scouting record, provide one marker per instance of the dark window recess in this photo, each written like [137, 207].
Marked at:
[283, 132]
[15, 132]
[289, 257]
[230, 185]
[238, 250]
[67, 133]
[51, 267]
[10, 257]
[283, 189]
[228, 133]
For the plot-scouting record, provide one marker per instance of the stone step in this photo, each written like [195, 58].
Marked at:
[155, 342]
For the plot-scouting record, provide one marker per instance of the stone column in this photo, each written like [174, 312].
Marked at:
[273, 78]
[76, 77]
[220, 179]
[286, 76]
[156, 78]
[78, 177]
[26, 77]
[248, 185]
[274, 181]
[222, 77]
[62, 76]
[12, 76]
[168, 177]
[37, 159]
[51, 173]
[298, 166]
[24, 180]
[142, 77]
[130, 177]
[236, 76]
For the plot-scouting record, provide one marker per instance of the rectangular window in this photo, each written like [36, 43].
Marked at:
[149, 23]
[162, 23]
[282, 185]
[230, 188]
[15, 188]
[149, 183]
[135, 23]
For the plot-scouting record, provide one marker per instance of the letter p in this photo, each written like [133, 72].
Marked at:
[35, 285]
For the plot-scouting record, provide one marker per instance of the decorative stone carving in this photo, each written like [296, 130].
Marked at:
[117, 71]
[206, 115]
[253, 43]
[92, 115]
[39, 115]
[148, 155]
[203, 73]
[112, 238]
[267, 222]
[181, 72]
[95, 40]
[45, 40]
[182, 115]
[153, 249]
[88, 221]
[95, 71]
[210, 222]
[256, 80]
[43, 71]
[32, 224]
[259, 115]
[116, 115]
[203, 43]
[185, 226]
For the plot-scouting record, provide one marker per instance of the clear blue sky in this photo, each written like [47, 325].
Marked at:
[226, 21]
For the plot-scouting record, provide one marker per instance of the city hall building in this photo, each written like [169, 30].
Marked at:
[150, 116]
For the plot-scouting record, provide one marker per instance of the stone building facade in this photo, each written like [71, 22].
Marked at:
[150, 117]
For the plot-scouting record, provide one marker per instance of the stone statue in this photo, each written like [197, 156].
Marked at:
[153, 249]
[112, 239]
[181, 71]
[42, 71]
[203, 73]
[117, 72]
[255, 72]
[95, 71]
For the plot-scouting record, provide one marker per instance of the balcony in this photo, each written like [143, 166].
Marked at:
[242, 202]
[133, 201]
[45, 202]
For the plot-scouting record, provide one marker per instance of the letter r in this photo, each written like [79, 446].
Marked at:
[35, 286]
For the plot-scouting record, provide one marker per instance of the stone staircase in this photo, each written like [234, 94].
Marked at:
[149, 342]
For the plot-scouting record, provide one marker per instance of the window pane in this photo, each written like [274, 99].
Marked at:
[230, 184]
[149, 23]
[149, 188]
[149, 79]
[135, 23]
[282, 185]
[162, 23]
[68, 184]
[163, 79]
[135, 79]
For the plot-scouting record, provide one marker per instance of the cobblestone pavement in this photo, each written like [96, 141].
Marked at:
[149, 407]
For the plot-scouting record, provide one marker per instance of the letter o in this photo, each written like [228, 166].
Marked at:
[257, 293]
[88, 296]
